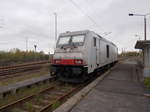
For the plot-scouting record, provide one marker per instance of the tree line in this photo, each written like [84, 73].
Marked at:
[130, 53]
[17, 56]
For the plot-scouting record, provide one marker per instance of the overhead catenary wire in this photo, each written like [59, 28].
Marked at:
[85, 14]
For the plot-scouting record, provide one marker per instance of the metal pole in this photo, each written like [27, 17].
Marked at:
[145, 35]
[145, 27]
[1, 22]
[55, 14]
[26, 44]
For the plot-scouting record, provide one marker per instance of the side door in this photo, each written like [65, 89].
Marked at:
[97, 51]
[94, 52]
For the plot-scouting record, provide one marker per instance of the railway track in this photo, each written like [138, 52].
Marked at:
[43, 101]
[11, 70]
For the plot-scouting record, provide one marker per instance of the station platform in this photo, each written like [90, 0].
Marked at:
[120, 91]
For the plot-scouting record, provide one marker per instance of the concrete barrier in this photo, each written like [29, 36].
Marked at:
[27, 83]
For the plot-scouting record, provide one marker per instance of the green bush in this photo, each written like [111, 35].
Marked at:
[147, 82]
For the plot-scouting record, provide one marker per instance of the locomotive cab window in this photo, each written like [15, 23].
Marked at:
[94, 40]
[78, 40]
[63, 40]
[107, 51]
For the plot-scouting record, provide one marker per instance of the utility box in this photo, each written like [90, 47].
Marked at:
[145, 46]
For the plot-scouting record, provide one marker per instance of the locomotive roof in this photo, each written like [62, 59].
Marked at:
[74, 33]
[85, 32]
[106, 40]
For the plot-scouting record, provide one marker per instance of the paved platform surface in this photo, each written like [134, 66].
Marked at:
[121, 91]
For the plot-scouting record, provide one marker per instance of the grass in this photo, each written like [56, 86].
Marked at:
[23, 93]
[147, 82]
[24, 76]
[37, 99]
[56, 105]
[29, 107]
[16, 110]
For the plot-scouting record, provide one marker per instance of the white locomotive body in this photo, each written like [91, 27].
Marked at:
[80, 53]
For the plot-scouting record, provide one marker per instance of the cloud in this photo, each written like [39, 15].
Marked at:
[34, 19]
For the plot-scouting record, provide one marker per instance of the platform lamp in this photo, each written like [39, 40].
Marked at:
[144, 15]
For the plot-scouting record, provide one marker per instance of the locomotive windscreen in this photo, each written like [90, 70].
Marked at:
[64, 40]
[77, 40]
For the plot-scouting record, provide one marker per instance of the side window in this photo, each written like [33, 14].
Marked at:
[107, 51]
[94, 40]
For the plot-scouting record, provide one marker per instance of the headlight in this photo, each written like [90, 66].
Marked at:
[56, 61]
[78, 61]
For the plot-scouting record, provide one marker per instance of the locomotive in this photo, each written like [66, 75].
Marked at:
[79, 54]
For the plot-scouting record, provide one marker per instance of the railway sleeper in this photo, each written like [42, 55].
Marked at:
[50, 97]
[56, 93]
[37, 107]
[45, 101]
[18, 110]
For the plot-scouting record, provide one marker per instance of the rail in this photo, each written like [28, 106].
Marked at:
[9, 70]
[49, 97]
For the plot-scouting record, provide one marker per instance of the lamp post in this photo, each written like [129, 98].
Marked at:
[144, 15]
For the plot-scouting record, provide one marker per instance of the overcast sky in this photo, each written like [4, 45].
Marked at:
[34, 19]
